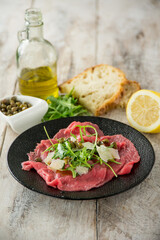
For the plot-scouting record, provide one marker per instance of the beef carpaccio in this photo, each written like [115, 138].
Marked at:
[80, 157]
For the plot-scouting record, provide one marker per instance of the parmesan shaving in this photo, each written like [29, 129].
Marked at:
[57, 164]
[81, 170]
[48, 159]
[104, 153]
[72, 139]
[114, 153]
[88, 145]
[107, 153]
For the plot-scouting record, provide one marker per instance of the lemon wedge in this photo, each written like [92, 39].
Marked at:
[143, 111]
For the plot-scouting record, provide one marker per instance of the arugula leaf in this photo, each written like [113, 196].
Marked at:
[48, 136]
[63, 106]
[68, 146]
[74, 174]
[74, 157]
[74, 136]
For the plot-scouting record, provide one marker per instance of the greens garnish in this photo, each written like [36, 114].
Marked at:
[82, 131]
[75, 154]
[63, 106]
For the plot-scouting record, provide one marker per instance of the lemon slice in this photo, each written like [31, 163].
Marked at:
[143, 111]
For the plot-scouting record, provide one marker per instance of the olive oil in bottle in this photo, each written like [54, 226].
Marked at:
[36, 59]
[39, 82]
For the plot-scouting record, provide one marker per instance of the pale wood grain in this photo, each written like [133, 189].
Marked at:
[130, 32]
[31, 215]
[27, 214]
[10, 24]
[71, 27]
[121, 33]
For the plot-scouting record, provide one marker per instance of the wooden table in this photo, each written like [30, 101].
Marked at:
[125, 34]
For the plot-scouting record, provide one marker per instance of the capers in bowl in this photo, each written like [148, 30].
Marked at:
[13, 106]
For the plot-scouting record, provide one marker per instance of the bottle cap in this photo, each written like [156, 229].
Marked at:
[33, 17]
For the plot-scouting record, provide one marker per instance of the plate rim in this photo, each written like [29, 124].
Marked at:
[82, 198]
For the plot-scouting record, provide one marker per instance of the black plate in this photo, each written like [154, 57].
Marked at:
[27, 141]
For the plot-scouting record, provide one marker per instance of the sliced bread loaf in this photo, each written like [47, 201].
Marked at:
[128, 89]
[99, 88]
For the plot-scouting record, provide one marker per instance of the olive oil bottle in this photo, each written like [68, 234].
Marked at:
[36, 59]
[39, 82]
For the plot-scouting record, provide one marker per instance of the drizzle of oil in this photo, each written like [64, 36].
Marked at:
[38, 82]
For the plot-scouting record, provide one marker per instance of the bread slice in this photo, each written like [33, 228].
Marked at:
[99, 88]
[128, 89]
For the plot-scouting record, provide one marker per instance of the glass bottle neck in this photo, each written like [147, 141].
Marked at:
[34, 32]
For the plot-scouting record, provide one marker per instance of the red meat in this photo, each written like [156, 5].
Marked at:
[127, 151]
[97, 176]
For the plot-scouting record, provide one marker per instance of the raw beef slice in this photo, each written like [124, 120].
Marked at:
[97, 176]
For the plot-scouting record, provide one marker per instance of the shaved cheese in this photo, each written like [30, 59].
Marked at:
[114, 153]
[72, 139]
[48, 159]
[57, 164]
[107, 153]
[88, 145]
[81, 170]
[104, 153]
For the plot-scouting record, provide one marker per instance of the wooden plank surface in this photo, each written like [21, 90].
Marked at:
[124, 34]
[61, 219]
[130, 32]
[10, 24]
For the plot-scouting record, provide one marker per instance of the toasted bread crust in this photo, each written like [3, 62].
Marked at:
[129, 88]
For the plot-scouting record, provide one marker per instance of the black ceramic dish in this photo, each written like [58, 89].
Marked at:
[27, 141]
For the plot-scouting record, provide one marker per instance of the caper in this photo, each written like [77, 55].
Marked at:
[3, 105]
[9, 111]
[15, 112]
[61, 140]
[99, 143]
[29, 105]
[78, 145]
[38, 160]
[66, 159]
[14, 109]
[12, 102]
[18, 103]
[5, 113]
[13, 106]
[14, 98]
[5, 101]
[113, 145]
[25, 105]
[73, 145]
[8, 107]
[105, 142]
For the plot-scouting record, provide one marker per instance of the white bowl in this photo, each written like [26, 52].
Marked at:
[29, 117]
